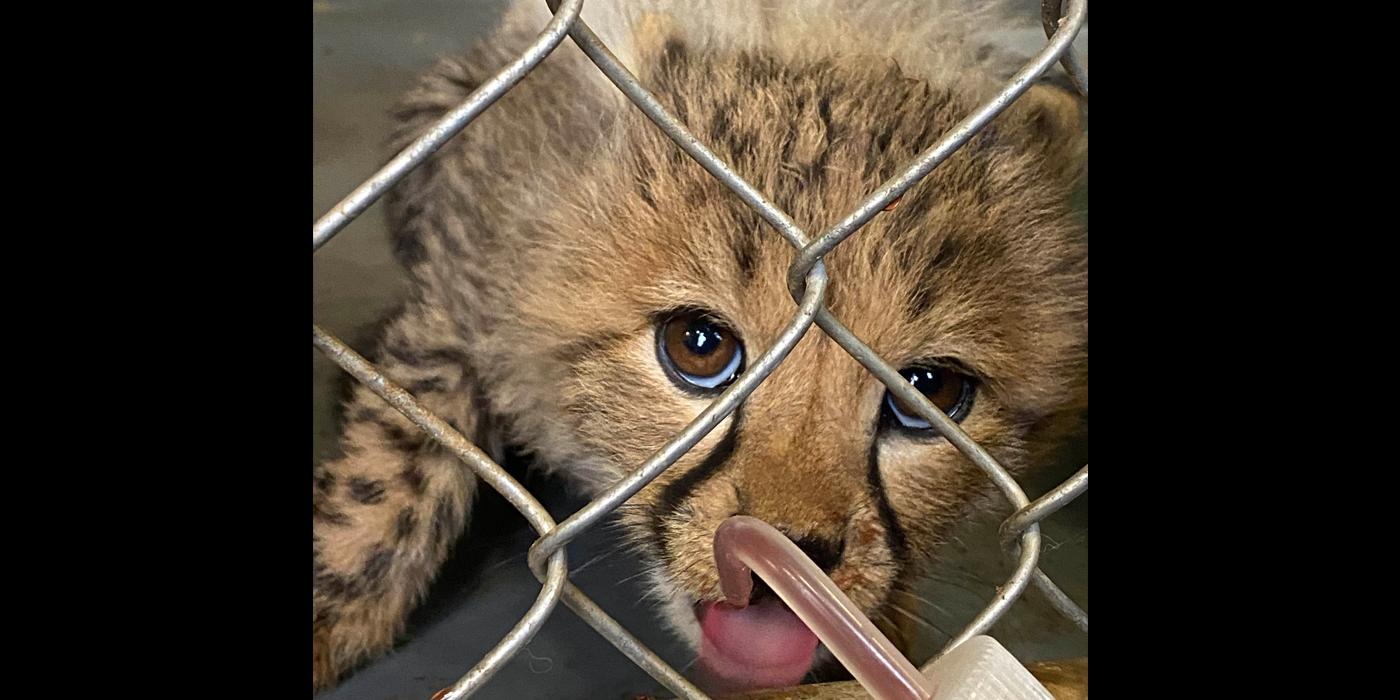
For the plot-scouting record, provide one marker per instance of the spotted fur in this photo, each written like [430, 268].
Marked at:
[543, 242]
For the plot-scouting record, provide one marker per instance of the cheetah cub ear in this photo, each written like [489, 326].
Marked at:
[1054, 123]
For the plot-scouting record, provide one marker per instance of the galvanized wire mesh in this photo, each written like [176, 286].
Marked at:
[807, 282]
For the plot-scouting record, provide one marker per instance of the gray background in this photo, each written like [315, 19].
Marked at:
[364, 53]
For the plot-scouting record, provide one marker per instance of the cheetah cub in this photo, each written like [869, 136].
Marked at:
[581, 290]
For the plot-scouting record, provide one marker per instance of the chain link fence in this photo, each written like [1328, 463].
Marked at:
[807, 282]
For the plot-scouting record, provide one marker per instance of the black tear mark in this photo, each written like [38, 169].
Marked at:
[894, 534]
[676, 491]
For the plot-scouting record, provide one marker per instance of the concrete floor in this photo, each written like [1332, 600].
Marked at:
[364, 53]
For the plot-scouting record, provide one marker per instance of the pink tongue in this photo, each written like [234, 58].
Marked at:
[761, 646]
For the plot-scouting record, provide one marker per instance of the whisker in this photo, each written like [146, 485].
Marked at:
[643, 572]
[508, 560]
[593, 561]
[687, 667]
[928, 602]
[956, 584]
[920, 620]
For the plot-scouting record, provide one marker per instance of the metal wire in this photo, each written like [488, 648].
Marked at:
[1050, 11]
[1038, 510]
[807, 282]
[440, 133]
[1057, 498]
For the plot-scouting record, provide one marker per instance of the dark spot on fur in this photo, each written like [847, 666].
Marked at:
[412, 476]
[673, 53]
[646, 174]
[408, 248]
[405, 524]
[759, 67]
[739, 143]
[430, 385]
[745, 246]
[332, 586]
[324, 615]
[402, 352]
[733, 144]
[376, 567]
[719, 122]
[446, 356]
[925, 292]
[403, 440]
[322, 510]
[824, 111]
[674, 61]
[366, 414]
[926, 287]
[878, 163]
[444, 520]
[366, 491]
[461, 80]
[328, 585]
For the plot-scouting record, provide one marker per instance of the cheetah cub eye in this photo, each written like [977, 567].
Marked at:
[950, 391]
[700, 353]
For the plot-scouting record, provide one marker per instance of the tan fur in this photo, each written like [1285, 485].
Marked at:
[544, 241]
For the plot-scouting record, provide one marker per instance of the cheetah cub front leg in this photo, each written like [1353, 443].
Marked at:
[387, 512]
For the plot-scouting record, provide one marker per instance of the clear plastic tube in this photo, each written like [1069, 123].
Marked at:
[745, 544]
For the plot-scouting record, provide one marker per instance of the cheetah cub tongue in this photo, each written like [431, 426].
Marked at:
[763, 645]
